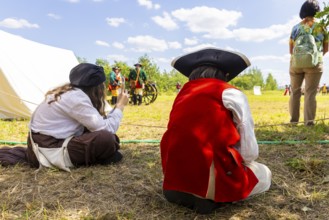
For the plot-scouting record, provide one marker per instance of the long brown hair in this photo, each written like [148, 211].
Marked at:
[96, 94]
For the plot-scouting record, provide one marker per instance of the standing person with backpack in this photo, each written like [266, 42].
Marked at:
[308, 43]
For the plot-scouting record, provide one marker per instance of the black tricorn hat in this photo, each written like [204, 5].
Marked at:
[231, 63]
[87, 75]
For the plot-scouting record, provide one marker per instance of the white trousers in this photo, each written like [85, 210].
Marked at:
[264, 176]
[262, 172]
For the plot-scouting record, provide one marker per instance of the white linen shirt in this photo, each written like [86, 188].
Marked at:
[235, 101]
[70, 114]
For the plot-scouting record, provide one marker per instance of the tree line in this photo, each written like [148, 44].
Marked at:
[254, 77]
[166, 81]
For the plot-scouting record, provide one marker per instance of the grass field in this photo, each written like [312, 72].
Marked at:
[132, 188]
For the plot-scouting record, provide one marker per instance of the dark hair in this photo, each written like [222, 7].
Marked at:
[309, 9]
[95, 93]
[207, 72]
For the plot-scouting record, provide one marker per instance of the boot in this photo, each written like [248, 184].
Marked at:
[139, 99]
[134, 99]
[113, 100]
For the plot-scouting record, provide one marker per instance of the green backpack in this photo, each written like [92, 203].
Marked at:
[305, 53]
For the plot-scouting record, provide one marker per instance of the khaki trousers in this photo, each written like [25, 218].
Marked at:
[312, 78]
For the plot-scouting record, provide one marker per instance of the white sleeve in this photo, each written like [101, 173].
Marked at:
[82, 110]
[235, 101]
[114, 119]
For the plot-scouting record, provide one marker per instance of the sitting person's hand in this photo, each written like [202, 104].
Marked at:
[123, 100]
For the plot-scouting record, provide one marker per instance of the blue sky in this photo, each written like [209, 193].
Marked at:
[124, 30]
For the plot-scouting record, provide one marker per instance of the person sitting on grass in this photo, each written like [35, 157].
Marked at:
[209, 149]
[70, 127]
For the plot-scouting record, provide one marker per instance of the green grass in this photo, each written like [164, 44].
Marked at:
[269, 110]
[132, 188]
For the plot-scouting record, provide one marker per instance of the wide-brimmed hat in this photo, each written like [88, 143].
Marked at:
[138, 64]
[115, 68]
[231, 63]
[87, 75]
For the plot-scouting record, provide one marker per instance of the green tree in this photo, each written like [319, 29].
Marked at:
[249, 79]
[243, 82]
[169, 80]
[166, 81]
[151, 69]
[107, 68]
[125, 68]
[81, 59]
[257, 77]
[323, 16]
[105, 64]
[271, 83]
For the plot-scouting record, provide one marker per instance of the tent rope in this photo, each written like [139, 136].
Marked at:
[14, 96]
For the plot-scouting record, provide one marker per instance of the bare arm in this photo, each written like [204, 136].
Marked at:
[291, 46]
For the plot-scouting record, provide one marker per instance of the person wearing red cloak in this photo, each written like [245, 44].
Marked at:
[209, 149]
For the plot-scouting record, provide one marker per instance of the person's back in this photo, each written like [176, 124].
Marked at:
[213, 126]
[70, 127]
[308, 37]
[209, 149]
[54, 115]
[310, 74]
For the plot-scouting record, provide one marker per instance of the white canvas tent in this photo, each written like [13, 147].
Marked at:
[27, 71]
